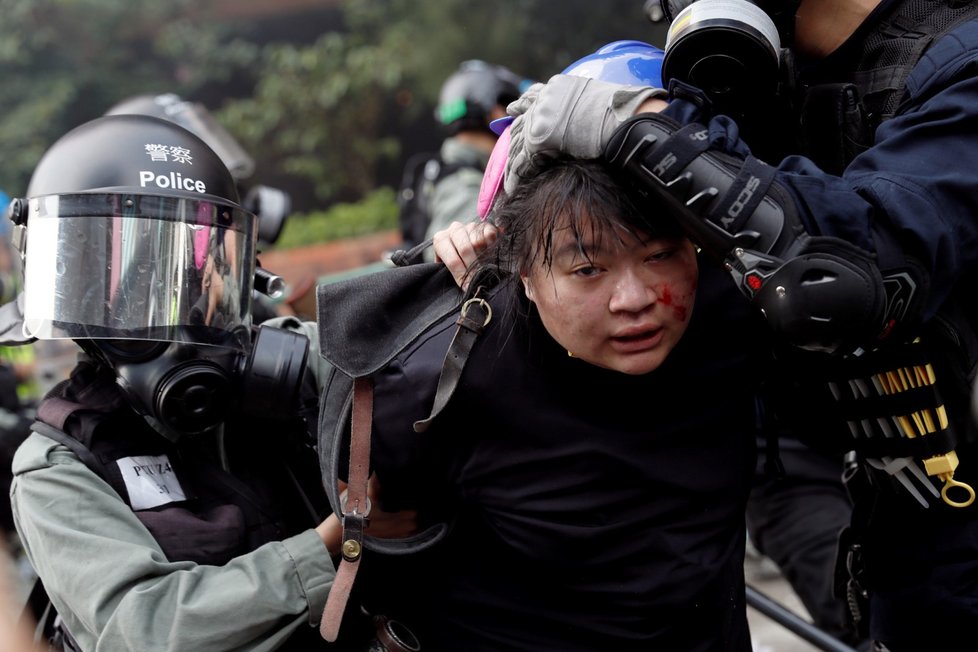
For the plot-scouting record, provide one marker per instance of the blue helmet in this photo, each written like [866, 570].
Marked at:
[5, 223]
[633, 63]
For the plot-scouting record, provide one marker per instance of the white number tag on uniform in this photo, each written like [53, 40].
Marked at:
[150, 481]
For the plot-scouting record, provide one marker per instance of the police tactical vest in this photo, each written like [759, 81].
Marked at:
[838, 120]
[196, 510]
[422, 173]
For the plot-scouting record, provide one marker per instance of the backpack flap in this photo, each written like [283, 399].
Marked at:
[402, 303]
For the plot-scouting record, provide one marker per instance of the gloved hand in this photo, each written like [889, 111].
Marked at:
[568, 115]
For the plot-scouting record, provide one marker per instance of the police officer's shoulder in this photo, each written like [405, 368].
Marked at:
[40, 452]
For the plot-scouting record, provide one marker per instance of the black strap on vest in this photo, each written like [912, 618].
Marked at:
[52, 415]
[74, 425]
[897, 44]
[88, 458]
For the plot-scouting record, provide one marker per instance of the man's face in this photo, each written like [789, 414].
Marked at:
[624, 306]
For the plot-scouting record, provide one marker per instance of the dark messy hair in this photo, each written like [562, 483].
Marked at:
[568, 193]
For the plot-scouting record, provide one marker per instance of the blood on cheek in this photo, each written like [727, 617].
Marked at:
[678, 301]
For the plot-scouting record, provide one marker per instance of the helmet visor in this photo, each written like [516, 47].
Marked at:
[138, 267]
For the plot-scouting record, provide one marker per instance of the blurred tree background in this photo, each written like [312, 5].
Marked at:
[329, 96]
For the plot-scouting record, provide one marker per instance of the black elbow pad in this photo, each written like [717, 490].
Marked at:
[818, 293]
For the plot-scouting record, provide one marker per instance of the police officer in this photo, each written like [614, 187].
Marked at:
[168, 497]
[859, 253]
[470, 98]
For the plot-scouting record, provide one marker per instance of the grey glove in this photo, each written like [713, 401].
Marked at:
[568, 115]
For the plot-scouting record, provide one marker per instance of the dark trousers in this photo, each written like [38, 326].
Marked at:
[795, 521]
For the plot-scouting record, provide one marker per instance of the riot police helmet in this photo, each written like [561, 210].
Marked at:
[470, 94]
[127, 220]
[195, 117]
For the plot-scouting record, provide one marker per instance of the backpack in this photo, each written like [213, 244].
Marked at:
[402, 304]
[422, 172]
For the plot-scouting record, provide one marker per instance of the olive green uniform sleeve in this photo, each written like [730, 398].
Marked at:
[115, 589]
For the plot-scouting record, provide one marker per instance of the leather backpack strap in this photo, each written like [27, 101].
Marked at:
[472, 321]
[355, 509]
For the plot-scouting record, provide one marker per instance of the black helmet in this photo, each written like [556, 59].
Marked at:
[128, 220]
[195, 117]
[272, 205]
[133, 154]
[469, 95]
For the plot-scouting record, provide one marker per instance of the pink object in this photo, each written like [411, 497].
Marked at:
[202, 236]
[492, 180]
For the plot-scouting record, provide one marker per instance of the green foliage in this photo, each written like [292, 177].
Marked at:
[317, 112]
[330, 117]
[64, 62]
[376, 212]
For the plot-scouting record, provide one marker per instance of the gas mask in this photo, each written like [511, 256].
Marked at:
[159, 289]
[729, 49]
[187, 389]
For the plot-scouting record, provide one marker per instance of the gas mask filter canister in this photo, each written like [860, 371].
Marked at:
[729, 49]
[186, 389]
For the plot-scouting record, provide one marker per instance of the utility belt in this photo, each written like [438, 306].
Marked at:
[900, 429]
[904, 453]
